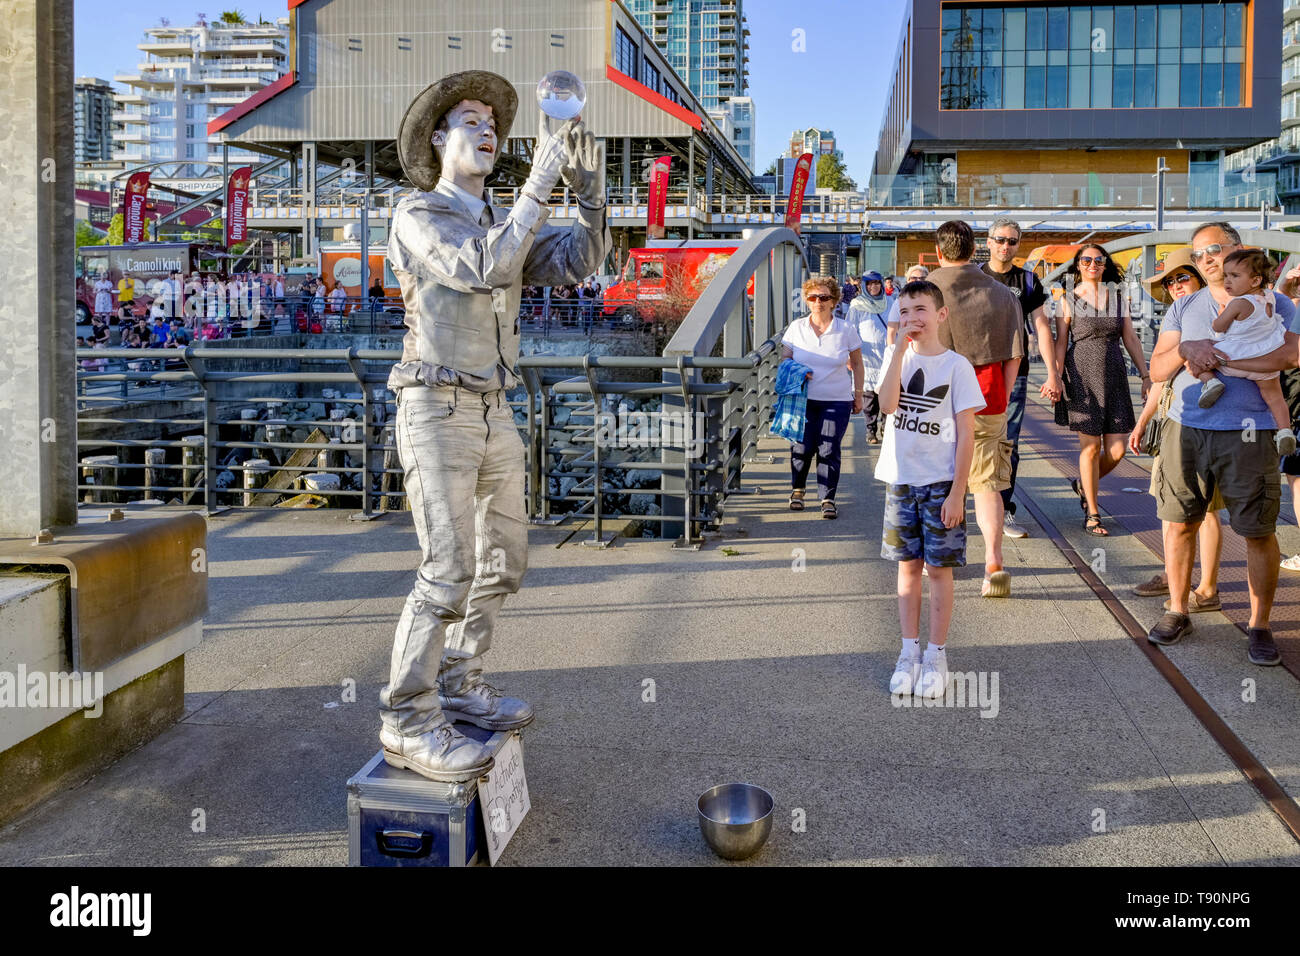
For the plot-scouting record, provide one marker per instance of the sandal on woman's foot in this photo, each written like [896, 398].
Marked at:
[828, 509]
[1092, 524]
[996, 585]
[796, 500]
[1083, 500]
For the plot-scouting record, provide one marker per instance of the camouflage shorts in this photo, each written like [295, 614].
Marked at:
[914, 526]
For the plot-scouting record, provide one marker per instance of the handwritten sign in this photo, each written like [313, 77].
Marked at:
[503, 797]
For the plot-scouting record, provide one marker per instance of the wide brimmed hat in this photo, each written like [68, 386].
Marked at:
[414, 147]
[1178, 259]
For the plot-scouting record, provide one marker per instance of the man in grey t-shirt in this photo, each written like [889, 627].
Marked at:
[1228, 446]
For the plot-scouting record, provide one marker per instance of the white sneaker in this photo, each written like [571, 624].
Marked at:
[934, 675]
[907, 672]
[1011, 529]
[1292, 563]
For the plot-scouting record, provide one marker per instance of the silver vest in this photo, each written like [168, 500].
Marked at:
[461, 283]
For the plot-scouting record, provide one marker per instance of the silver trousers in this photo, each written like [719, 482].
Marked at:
[464, 467]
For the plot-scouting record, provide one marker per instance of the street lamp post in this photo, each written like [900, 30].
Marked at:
[1161, 169]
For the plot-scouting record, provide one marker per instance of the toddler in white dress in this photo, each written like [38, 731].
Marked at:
[1249, 327]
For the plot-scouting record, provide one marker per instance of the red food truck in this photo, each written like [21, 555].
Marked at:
[677, 269]
[145, 261]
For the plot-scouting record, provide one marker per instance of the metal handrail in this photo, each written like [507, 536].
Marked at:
[774, 259]
[225, 405]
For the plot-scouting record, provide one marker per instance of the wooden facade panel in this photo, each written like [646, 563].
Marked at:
[994, 162]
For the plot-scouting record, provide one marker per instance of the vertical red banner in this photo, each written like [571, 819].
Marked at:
[658, 197]
[237, 206]
[137, 188]
[798, 183]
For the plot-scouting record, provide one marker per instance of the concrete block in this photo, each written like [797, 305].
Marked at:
[75, 749]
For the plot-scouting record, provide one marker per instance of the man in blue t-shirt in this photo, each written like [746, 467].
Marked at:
[1228, 445]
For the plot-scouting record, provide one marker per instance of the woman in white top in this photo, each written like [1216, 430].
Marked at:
[103, 297]
[832, 349]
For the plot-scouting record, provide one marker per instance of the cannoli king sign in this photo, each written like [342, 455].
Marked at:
[237, 206]
[137, 188]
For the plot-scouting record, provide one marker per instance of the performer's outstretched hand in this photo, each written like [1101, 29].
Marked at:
[550, 154]
[584, 168]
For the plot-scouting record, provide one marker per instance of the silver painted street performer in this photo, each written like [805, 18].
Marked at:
[461, 264]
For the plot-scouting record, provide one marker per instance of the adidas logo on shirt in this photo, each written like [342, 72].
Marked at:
[915, 399]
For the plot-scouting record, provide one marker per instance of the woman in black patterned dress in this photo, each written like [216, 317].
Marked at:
[1095, 321]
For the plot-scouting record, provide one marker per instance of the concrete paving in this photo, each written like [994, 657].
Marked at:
[761, 672]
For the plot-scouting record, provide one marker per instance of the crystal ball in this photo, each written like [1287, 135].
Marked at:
[561, 95]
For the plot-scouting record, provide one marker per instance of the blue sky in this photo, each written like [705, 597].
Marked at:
[839, 82]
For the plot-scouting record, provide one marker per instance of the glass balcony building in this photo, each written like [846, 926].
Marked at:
[1093, 93]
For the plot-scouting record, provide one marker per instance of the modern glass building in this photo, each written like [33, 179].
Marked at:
[1280, 157]
[1088, 96]
[1092, 57]
[740, 118]
[188, 76]
[705, 42]
[92, 113]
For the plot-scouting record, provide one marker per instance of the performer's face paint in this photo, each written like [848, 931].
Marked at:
[468, 146]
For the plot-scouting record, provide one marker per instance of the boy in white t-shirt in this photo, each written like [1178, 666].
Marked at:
[930, 395]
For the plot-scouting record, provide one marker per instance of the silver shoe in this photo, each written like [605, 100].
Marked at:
[440, 754]
[481, 704]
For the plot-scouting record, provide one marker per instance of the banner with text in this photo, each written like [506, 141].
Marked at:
[236, 213]
[798, 183]
[658, 197]
[137, 188]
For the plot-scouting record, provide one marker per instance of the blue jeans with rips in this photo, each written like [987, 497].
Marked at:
[823, 433]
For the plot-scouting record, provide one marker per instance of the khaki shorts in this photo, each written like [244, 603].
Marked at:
[990, 463]
[1195, 463]
[1216, 502]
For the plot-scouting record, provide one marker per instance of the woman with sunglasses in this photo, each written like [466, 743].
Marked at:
[1096, 323]
[1180, 278]
[830, 347]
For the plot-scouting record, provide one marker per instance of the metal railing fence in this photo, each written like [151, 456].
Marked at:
[202, 427]
[661, 438]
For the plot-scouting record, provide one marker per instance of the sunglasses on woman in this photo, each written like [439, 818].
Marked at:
[813, 297]
[1090, 260]
[1181, 279]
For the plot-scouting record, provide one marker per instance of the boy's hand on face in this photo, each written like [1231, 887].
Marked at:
[910, 326]
[953, 510]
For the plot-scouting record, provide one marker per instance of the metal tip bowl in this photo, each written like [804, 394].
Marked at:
[736, 819]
